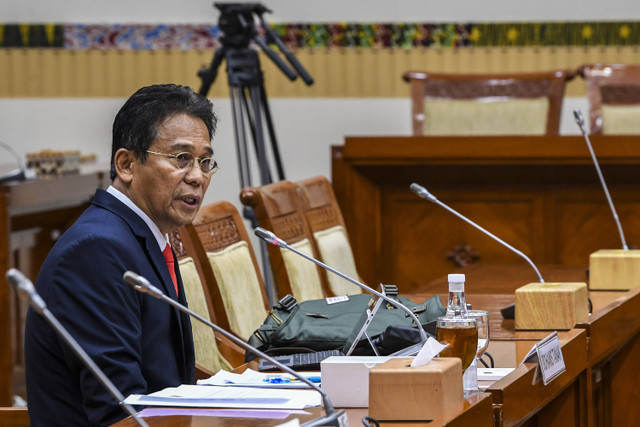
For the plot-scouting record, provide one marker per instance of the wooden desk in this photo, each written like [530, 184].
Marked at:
[539, 194]
[614, 351]
[32, 216]
[476, 411]
[613, 335]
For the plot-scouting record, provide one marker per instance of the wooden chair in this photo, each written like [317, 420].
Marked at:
[329, 233]
[613, 92]
[230, 269]
[213, 351]
[278, 208]
[487, 104]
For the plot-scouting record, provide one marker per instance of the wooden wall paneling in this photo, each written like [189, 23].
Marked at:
[419, 235]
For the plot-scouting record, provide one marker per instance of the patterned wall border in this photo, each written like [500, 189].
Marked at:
[311, 35]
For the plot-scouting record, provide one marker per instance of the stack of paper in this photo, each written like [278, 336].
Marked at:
[228, 397]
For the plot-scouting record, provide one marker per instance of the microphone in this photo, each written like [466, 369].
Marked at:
[422, 192]
[22, 174]
[27, 291]
[331, 417]
[269, 237]
[577, 114]
[508, 312]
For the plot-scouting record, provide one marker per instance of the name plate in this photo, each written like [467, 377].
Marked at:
[335, 300]
[548, 354]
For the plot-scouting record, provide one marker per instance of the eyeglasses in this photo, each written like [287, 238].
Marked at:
[185, 160]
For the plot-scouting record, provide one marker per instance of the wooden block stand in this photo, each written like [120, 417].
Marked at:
[551, 306]
[400, 392]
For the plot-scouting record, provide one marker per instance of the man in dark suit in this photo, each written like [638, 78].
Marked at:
[161, 166]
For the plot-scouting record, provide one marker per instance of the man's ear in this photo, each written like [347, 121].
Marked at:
[124, 161]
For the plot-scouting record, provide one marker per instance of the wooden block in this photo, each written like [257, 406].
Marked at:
[551, 306]
[399, 392]
[614, 269]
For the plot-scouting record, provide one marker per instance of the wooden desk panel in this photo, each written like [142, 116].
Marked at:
[520, 396]
[539, 194]
[476, 411]
[32, 216]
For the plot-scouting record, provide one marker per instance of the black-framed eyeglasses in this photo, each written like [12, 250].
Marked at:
[185, 160]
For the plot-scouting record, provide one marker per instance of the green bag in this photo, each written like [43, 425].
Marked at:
[316, 325]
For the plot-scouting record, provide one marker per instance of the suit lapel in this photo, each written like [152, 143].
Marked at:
[156, 259]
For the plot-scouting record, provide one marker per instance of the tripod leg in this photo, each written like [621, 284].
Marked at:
[238, 99]
[272, 133]
[244, 169]
[265, 174]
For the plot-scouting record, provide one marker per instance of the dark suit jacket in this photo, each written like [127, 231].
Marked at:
[141, 343]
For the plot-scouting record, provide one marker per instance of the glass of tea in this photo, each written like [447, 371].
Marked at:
[461, 333]
[470, 377]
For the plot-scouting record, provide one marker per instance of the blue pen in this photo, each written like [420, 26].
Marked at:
[280, 380]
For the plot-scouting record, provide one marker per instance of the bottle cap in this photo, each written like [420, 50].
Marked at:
[456, 278]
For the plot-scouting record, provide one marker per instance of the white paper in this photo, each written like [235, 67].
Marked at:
[429, 350]
[228, 397]
[493, 374]
[251, 378]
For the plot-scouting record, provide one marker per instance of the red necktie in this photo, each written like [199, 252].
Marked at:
[168, 257]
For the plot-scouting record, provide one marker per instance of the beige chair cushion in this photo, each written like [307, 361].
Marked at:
[206, 349]
[335, 251]
[239, 287]
[303, 274]
[492, 116]
[621, 119]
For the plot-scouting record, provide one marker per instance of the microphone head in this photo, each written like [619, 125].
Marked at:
[20, 282]
[268, 237]
[141, 284]
[422, 192]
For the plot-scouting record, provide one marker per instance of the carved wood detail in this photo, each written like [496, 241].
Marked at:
[322, 217]
[506, 88]
[289, 227]
[463, 255]
[620, 94]
[217, 235]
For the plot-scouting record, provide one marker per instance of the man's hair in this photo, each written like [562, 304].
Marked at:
[137, 123]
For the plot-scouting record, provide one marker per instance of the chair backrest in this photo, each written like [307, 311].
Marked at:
[278, 208]
[613, 92]
[208, 355]
[487, 104]
[329, 233]
[230, 269]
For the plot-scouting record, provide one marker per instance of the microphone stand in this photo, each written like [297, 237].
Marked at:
[26, 289]
[331, 417]
[577, 114]
[422, 192]
[270, 237]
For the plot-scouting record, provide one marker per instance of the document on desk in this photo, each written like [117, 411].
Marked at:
[251, 378]
[197, 396]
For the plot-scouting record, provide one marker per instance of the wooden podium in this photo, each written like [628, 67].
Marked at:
[540, 194]
[32, 216]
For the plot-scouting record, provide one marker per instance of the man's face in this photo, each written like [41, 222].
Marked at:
[171, 196]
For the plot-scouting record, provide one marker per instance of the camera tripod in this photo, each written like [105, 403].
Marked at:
[249, 104]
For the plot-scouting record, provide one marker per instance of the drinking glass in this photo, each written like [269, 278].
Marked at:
[461, 333]
[470, 377]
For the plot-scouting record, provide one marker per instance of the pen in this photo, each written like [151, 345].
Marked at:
[279, 380]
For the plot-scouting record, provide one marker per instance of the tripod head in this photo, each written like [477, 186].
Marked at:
[236, 21]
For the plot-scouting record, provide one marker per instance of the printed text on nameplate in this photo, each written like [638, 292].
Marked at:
[550, 358]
